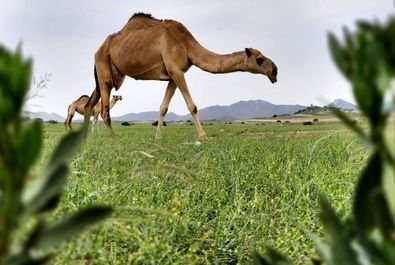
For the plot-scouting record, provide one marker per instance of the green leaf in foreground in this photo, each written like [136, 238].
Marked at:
[39, 196]
[363, 215]
[389, 188]
[66, 149]
[25, 260]
[349, 122]
[339, 55]
[64, 230]
[273, 257]
[29, 142]
[339, 239]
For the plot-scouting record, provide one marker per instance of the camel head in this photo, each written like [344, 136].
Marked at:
[257, 63]
[116, 98]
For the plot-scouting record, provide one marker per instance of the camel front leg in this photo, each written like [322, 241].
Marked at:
[179, 79]
[171, 88]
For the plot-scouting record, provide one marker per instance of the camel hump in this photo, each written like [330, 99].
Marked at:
[142, 15]
[142, 20]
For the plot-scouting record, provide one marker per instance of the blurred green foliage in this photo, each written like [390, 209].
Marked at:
[25, 198]
[366, 58]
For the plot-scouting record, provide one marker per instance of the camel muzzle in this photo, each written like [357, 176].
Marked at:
[273, 79]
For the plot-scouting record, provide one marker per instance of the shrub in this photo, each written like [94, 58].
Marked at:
[155, 123]
[315, 120]
[52, 122]
[24, 197]
[367, 59]
[307, 123]
[125, 123]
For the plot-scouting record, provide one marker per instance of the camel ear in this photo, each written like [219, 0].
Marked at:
[248, 52]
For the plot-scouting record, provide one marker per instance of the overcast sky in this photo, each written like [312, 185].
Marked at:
[62, 37]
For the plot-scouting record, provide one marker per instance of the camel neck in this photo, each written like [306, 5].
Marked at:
[231, 62]
[216, 63]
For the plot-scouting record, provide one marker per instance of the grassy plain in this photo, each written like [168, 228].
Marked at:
[179, 201]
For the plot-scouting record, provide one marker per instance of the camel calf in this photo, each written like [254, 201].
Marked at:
[79, 104]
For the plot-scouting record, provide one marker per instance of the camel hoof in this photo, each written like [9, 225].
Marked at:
[203, 136]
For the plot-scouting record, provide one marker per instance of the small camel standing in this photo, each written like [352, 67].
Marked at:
[79, 104]
[150, 49]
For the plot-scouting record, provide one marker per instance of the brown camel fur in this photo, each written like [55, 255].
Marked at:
[150, 49]
[78, 106]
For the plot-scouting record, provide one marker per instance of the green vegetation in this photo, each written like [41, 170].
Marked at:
[181, 201]
[178, 201]
[366, 58]
[26, 236]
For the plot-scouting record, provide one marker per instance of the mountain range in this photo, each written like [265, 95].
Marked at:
[45, 116]
[237, 111]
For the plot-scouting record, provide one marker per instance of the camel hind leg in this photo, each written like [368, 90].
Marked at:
[70, 115]
[105, 82]
[108, 76]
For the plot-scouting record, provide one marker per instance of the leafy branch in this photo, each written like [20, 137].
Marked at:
[366, 58]
[25, 197]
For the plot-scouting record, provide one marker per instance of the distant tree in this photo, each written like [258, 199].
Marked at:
[155, 123]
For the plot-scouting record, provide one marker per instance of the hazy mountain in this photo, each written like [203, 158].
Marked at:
[237, 111]
[43, 115]
[240, 110]
[246, 110]
[148, 116]
[342, 104]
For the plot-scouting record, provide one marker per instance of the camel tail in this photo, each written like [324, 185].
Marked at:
[96, 79]
[94, 98]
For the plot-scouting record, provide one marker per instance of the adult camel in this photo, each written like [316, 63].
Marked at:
[150, 49]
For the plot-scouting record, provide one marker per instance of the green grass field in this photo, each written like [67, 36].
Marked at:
[178, 201]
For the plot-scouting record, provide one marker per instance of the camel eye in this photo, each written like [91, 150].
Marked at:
[259, 60]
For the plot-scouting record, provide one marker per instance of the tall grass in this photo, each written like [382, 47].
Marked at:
[179, 201]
